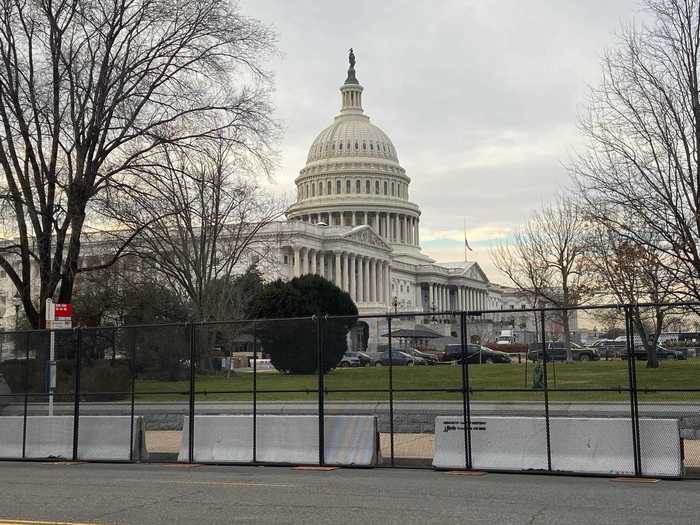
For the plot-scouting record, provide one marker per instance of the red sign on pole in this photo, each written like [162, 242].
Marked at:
[63, 311]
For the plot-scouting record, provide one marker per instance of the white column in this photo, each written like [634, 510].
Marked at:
[346, 274]
[314, 269]
[365, 280]
[431, 298]
[370, 292]
[337, 281]
[373, 281]
[360, 279]
[305, 262]
[354, 218]
[297, 265]
[388, 285]
[417, 232]
[353, 291]
[458, 298]
[380, 282]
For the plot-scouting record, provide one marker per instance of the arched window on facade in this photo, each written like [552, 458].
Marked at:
[329, 188]
[347, 186]
[358, 187]
[385, 186]
[337, 187]
[320, 188]
[376, 187]
[393, 192]
[313, 189]
[367, 187]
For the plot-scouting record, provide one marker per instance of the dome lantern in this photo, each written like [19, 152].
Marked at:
[351, 91]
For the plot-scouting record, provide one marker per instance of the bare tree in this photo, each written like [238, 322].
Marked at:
[545, 259]
[201, 222]
[631, 273]
[87, 90]
[643, 152]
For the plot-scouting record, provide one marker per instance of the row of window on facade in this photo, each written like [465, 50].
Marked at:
[396, 189]
[331, 146]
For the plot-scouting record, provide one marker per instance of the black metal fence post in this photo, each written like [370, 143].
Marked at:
[466, 394]
[132, 395]
[190, 328]
[26, 394]
[321, 413]
[255, 392]
[546, 391]
[632, 381]
[391, 394]
[78, 347]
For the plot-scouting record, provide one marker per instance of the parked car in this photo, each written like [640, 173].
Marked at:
[556, 351]
[399, 358]
[428, 358]
[608, 348]
[475, 354]
[349, 361]
[640, 353]
[364, 357]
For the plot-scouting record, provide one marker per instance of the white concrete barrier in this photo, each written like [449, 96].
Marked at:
[99, 437]
[349, 440]
[585, 445]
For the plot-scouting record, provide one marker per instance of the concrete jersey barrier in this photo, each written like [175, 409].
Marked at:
[99, 438]
[349, 440]
[582, 445]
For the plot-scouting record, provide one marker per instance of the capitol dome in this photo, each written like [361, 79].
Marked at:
[354, 137]
[353, 177]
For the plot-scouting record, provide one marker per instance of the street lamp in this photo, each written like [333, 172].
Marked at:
[16, 302]
[395, 303]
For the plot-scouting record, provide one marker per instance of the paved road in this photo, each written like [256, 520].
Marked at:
[155, 495]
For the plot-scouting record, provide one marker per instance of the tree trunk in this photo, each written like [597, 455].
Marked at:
[567, 336]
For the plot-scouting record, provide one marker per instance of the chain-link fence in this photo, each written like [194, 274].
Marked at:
[440, 389]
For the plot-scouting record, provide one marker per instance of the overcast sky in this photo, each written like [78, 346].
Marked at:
[479, 98]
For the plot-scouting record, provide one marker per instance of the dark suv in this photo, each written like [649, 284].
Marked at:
[556, 351]
[640, 353]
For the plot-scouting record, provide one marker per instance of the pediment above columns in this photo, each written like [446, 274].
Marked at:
[366, 235]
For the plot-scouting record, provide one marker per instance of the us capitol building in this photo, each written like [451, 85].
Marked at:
[355, 224]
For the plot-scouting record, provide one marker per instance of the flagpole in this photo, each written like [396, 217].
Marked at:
[464, 219]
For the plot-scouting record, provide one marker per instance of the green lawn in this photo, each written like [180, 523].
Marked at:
[603, 374]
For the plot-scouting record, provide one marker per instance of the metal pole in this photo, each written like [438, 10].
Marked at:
[635, 391]
[50, 317]
[321, 414]
[629, 332]
[77, 345]
[255, 392]
[133, 396]
[466, 402]
[191, 341]
[26, 395]
[546, 393]
[391, 395]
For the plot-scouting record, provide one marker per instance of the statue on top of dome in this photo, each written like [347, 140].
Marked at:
[352, 79]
